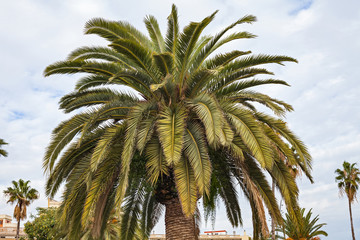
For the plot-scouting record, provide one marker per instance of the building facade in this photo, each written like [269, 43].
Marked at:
[210, 235]
[8, 229]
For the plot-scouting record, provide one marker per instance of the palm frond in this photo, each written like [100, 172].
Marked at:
[155, 34]
[156, 164]
[195, 149]
[170, 127]
[139, 55]
[115, 30]
[216, 126]
[213, 44]
[252, 135]
[172, 34]
[98, 53]
[187, 42]
[186, 186]
[164, 62]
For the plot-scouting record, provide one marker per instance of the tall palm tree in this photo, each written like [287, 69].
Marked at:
[187, 129]
[306, 228]
[2, 151]
[22, 195]
[348, 183]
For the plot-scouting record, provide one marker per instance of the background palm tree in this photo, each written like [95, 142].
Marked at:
[303, 228]
[189, 129]
[22, 195]
[348, 183]
[2, 151]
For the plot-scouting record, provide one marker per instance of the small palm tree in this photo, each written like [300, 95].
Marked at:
[306, 227]
[348, 183]
[2, 151]
[21, 194]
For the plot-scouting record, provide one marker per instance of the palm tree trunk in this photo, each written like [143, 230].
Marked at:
[18, 229]
[351, 221]
[178, 226]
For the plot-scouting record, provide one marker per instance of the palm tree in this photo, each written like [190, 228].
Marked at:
[348, 183]
[306, 227]
[187, 129]
[2, 151]
[22, 195]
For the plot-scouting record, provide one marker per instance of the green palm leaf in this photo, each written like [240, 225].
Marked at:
[156, 164]
[186, 186]
[252, 135]
[196, 152]
[155, 33]
[170, 127]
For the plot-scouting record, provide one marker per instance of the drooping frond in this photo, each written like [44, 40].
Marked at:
[2, 151]
[93, 97]
[98, 53]
[132, 210]
[115, 30]
[156, 164]
[186, 186]
[216, 126]
[196, 152]
[150, 214]
[251, 134]
[63, 135]
[170, 127]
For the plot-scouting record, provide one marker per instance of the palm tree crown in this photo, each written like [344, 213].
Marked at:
[22, 195]
[306, 227]
[348, 180]
[348, 183]
[2, 151]
[187, 129]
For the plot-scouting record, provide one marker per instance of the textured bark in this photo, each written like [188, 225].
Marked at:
[18, 230]
[178, 226]
[351, 221]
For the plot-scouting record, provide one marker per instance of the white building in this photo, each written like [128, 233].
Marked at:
[210, 235]
[8, 229]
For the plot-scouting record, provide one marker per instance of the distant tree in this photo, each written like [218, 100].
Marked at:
[2, 151]
[348, 183]
[42, 227]
[303, 228]
[22, 195]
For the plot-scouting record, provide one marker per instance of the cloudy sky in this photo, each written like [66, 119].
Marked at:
[324, 35]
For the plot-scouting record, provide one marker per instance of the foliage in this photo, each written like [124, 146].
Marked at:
[22, 195]
[303, 228]
[2, 151]
[42, 227]
[348, 180]
[188, 129]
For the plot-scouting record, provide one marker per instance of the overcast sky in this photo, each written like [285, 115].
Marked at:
[324, 35]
